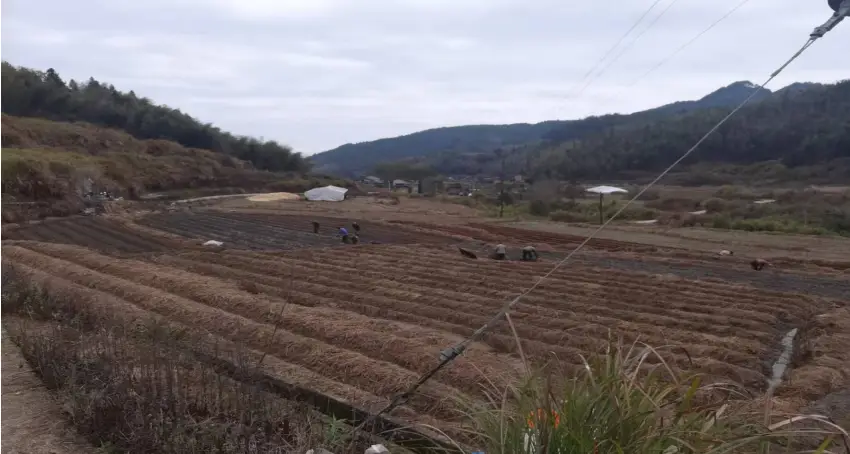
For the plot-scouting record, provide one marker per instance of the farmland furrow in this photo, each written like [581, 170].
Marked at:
[100, 238]
[449, 263]
[370, 230]
[55, 232]
[588, 299]
[192, 231]
[562, 321]
[458, 311]
[20, 234]
[558, 238]
[579, 288]
[555, 338]
[132, 315]
[409, 346]
[378, 377]
[471, 292]
[415, 314]
[771, 281]
[119, 234]
[231, 231]
[744, 282]
[579, 284]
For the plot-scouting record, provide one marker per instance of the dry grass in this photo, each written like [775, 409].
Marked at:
[137, 391]
[379, 377]
[33, 421]
[135, 382]
[82, 301]
[407, 345]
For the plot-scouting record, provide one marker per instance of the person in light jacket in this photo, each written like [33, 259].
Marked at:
[500, 253]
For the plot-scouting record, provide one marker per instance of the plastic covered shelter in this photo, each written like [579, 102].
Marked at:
[326, 194]
[606, 190]
[602, 190]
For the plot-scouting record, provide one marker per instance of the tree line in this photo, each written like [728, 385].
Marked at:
[31, 93]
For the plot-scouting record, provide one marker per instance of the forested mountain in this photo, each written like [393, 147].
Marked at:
[803, 130]
[31, 93]
[454, 149]
[794, 127]
[353, 159]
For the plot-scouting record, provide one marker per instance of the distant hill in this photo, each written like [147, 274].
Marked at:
[31, 93]
[799, 126]
[440, 145]
[354, 159]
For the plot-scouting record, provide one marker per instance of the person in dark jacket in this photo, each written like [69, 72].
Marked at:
[759, 264]
[355, 226]
[315, 227]
[529, 254]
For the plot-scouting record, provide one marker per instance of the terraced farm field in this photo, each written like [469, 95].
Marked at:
[495, 233]
[359, 324]
[259, 231]
[94, 232]
[363, 322]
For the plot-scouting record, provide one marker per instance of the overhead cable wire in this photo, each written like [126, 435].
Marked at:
[669, 57]
[614, 47]
[628, 46]
[450, 354]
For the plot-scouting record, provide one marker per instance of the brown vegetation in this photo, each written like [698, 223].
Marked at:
[48, 168]
[364, 322]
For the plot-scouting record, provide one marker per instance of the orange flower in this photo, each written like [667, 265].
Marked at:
[541, 415]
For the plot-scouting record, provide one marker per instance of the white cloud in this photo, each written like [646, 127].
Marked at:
[319, 73]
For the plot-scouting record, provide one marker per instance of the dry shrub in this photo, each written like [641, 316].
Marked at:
[249, 286]
[136, 390]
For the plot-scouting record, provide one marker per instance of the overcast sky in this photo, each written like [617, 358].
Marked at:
[316, 74]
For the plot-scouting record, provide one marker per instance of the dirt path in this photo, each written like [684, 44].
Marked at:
[32, 419]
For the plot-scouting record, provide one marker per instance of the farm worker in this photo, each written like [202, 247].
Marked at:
[344, 234]
[758, 264]
[355, 226]
[355, 239]
[529, 254]
[500, 253]
[315, 227]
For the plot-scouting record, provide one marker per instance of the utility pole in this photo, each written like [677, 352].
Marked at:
[501, 154]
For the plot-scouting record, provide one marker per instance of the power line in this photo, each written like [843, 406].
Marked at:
[689, 42]
[629, 45]
[611, 50]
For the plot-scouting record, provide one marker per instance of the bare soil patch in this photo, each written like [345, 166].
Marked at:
[33, 421]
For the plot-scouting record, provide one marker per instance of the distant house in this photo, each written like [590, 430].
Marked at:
[454, 188]
[372, 180]
[518, 178]
[401, 184]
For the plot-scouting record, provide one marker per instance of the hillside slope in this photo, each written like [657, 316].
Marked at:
[31, 93]
[49, 166]
[442, 145]
[795, 128]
